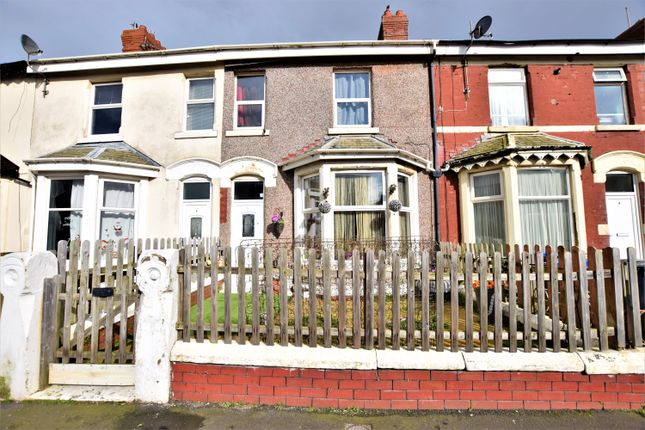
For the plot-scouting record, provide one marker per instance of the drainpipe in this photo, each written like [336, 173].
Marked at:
[436, 173]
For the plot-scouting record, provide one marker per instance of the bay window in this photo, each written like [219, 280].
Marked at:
[405, 213]
[65, 211]
[117, 211]
[359, 210]
[488, 208]
[352, 103]
[545, 206]
[311, 192]
[249, 101]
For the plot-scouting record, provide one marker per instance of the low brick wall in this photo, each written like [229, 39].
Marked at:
[405, 389]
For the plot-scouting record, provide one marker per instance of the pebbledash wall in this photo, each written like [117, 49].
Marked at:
[405, 389]
[415, 380]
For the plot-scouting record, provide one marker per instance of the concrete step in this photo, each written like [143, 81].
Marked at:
[86, 393]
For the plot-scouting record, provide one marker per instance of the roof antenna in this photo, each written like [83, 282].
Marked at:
[32, 48]
[480, 30]
[629, 23]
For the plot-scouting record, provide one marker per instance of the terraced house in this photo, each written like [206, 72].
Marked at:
[349, 143]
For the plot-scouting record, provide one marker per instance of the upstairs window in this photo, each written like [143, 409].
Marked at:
[609, 89]
[106, 108]
[352, 104]
[200, 109]
[249, 102]
[507, 97]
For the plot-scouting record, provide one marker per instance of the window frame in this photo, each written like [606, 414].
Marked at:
[70, 209]
[405, 209]
[94, 107]
[100, 208]
[237, 103]
[190, 102]
[521, 83]
[313, 210]
[352, 100]
[487, 199]
[621, 83]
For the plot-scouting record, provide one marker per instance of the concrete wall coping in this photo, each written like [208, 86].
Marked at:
[305, 357]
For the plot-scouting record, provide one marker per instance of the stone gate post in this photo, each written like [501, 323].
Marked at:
[21, 284]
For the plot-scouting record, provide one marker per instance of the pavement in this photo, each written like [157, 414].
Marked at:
[69, 415]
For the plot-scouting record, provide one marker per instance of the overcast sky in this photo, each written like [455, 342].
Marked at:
[84, 27]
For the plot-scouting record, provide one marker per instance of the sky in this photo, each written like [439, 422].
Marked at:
[85, 27]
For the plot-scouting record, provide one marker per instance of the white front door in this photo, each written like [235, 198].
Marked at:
[196, 208]
[247, 215]
[196, 220]
[623, 214]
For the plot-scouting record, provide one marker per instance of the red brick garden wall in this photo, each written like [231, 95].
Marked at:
[405, 389]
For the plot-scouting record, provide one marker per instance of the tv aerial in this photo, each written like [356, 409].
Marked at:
[480, 30]
[32, 48]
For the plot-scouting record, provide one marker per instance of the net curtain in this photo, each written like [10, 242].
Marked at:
[352, 86]
[117, 222]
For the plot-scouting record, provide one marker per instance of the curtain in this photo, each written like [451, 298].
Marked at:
[354, 189]
[404, 190]
[352, 86]
[489, 222]
[359, 226]
[404, 225]
[117, 224]
[545, 221]
[200, 116]
[487, 185]
[507, 105]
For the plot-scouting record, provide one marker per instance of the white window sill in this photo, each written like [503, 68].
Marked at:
[353, 130]
[511, 128]
[114, 137]
[250, 132]
[195, 134]
[621, 127]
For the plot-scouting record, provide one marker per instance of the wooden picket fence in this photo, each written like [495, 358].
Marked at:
[89, 308]
[511, 299]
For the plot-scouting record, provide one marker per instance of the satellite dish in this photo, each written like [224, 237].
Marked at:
[481, 27]
[30, 47]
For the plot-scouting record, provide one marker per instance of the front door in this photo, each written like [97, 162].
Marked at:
[247, 213]
[196, 209]
[622, 213]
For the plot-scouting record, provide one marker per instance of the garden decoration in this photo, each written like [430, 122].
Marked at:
[324, 206]
[394, 205]
[277, 223]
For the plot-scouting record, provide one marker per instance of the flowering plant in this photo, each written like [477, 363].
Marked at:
[277, 218]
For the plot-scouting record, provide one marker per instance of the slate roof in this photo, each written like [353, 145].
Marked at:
[357, 142]
[515, 143]
[119, 152]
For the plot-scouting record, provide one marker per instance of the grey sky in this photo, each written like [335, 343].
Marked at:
[84, 27]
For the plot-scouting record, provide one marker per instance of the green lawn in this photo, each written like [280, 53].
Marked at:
[220, 310]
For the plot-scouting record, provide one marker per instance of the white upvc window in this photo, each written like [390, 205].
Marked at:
[117, 211]
[311, 197]
[359, 206]
[352, 99]
[507, 97]
[200, 104]
[249, 101]
[611, 101]
[405, 213]
[65, 211]
[545, 206]
[488, 207]
[106, 108]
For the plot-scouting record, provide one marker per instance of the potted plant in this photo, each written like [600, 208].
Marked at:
[277, 223]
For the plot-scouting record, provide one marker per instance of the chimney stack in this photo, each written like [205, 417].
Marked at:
[393, 27]
[139, 39]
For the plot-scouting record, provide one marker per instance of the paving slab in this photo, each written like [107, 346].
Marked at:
[86, 393]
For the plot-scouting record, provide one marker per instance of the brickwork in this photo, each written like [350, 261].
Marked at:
[405, 389]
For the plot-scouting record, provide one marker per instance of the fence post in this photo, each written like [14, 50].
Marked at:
[156, 317]
[22, 276]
